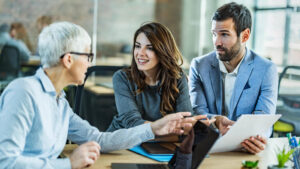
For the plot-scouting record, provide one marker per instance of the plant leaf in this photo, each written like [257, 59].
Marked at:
[283, 157]
[250, 164]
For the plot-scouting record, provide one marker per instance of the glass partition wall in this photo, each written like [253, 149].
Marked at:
[275, 32]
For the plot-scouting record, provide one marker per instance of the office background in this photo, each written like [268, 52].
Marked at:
[112, 23]
[275, 31]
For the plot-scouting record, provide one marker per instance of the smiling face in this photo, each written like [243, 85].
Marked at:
[144, 55]
[226, 42]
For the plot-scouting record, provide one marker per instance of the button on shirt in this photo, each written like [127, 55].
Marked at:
[35, 124]
[228, 82]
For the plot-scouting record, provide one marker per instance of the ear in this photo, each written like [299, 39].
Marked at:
[67, 61]
[245, 35]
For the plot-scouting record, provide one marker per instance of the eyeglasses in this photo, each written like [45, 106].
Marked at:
[89, 55]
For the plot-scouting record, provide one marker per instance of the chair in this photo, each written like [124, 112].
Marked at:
[9, 65]
[9, 62]
[97, 109]
[289, 101]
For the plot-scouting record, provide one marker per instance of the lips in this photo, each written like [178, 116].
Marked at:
[220, 48]
[142, 61]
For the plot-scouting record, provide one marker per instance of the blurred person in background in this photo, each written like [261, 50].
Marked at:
[18, 32]
[5, 38]
[42, 22]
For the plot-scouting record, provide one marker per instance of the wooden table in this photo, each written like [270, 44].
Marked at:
[227, 160]
[97, 89]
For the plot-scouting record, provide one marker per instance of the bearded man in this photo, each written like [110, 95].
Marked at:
[233, 80]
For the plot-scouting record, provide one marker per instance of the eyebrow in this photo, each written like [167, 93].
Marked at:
[222, 30]
[138, 43]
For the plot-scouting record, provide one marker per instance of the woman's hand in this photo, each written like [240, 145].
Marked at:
[172, 124]
[202, 118]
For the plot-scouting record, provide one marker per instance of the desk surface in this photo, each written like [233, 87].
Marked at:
[96, 89]
[228, 160]
[33, 62]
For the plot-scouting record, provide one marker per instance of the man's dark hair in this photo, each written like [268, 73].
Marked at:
[239, 13]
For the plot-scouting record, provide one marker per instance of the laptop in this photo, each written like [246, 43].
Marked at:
[205, 137]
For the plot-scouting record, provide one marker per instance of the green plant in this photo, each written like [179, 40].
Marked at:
[250, 164]
[283, 157]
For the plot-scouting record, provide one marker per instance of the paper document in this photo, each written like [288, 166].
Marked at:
[246, 126]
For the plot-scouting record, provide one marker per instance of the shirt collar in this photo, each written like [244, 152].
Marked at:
[47, 84]
[235, 71]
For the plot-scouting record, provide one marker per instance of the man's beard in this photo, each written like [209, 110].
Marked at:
[229, 54]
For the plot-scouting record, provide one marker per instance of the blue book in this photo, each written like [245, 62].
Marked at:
[157, 157]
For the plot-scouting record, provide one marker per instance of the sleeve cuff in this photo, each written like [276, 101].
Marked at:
[62, 163]
[149, 132]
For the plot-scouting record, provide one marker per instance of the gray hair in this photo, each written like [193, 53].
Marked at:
[60, 38]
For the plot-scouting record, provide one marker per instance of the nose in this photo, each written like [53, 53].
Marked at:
[142, 51]
[217, 41]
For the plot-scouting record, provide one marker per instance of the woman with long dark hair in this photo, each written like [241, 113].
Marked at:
[154, 85]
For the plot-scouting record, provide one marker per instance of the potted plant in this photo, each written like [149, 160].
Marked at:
[250, 165]
[282, 158]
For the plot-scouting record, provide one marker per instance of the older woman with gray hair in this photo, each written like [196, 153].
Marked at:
[36, 119]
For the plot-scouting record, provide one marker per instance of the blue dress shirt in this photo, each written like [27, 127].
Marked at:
[35, 125]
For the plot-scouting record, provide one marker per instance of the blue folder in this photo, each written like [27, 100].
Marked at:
[158, 157]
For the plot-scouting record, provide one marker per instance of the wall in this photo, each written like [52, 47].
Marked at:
[117, 19]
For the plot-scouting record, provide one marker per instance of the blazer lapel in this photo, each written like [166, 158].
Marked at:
[244, 73]
[216, 83]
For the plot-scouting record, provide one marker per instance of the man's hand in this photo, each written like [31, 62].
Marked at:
[172, 124]
[254, 144]
[85, 155]
[223, 124]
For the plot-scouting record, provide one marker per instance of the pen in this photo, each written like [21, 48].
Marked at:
[289, 137]
[295, 157]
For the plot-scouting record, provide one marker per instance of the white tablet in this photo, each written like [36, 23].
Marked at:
[246, 126]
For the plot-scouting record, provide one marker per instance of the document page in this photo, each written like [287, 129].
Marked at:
[246, 126]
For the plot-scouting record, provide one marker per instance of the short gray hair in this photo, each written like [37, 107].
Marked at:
[60, 38]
